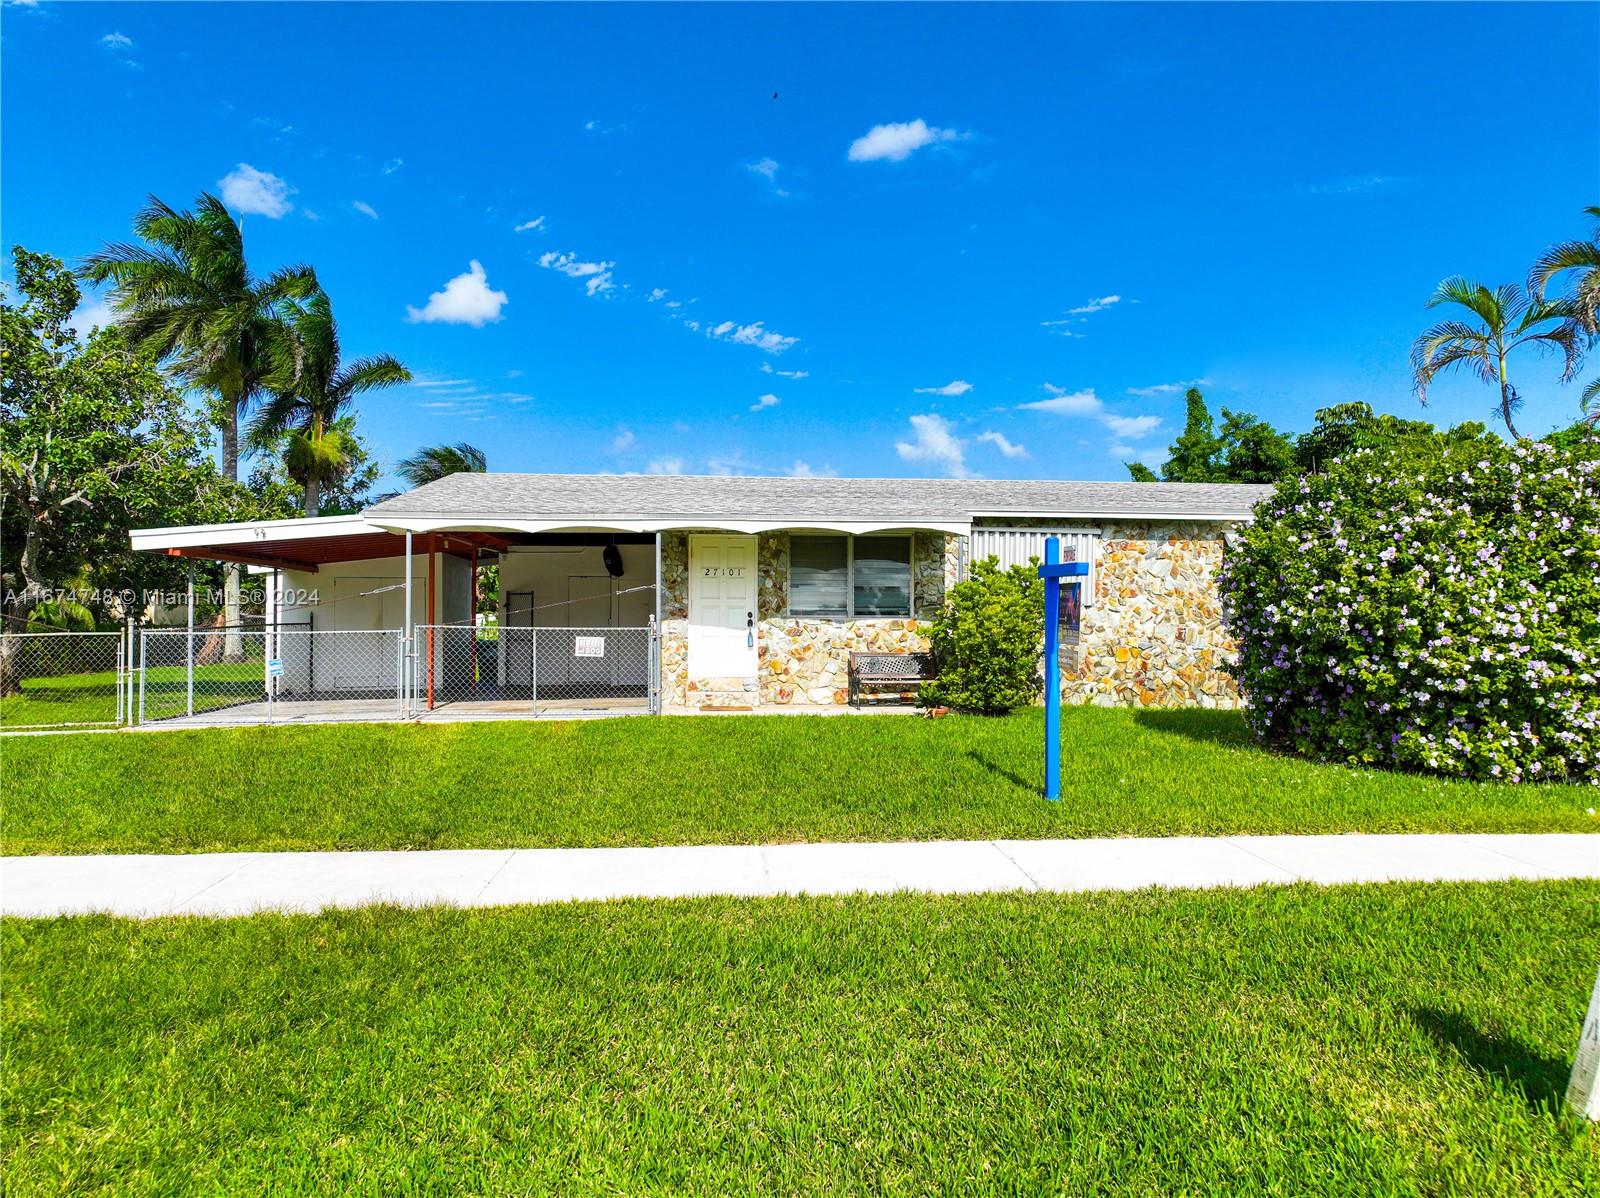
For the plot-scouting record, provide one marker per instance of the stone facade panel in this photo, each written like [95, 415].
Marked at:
[1152, 638]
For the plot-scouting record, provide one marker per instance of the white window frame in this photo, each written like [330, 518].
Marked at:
[850, 539]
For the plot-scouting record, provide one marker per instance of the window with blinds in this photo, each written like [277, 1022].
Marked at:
[842, 577]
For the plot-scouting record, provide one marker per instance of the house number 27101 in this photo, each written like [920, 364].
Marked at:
[723, 571]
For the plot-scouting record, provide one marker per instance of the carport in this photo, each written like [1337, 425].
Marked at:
[365, 621]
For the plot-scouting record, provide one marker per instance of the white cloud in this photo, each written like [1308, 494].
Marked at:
[117, 42]
[393, 165]
[768, 400]
[1342, 187]
[466, 299]
[959, 387]
[255, 193]
[896, 142]
[365, 209]
[1066, 403]
[528, 226]
[935, 443]
[752, 334]
[803, 469]
[766, 368]
[441, 382]
[1085, 403]
[1095, 305]
[596, 276]
[309, 215]
[768, 169]
[998, 440]
[659, 293]
[93, 312]
[1167, 388]
[623, 441]
[665, 466]
[1153, 458]
[1131, 428]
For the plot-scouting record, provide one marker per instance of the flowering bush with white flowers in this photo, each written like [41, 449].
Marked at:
[1434, 609]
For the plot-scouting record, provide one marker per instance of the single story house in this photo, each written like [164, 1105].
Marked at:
[762, 587]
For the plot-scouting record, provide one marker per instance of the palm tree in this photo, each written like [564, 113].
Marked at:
[434, 462]
[1589, 402]
[187, 295]
[1507, 319]
[310, 421]
[1583, 257]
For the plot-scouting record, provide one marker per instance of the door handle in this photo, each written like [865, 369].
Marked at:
[749, 630]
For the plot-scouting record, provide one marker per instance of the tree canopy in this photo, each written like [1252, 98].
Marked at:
[93, 441]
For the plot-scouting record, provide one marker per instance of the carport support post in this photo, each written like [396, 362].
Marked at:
[406, 632]
[189, 658]
[658, 667]
[433, 567]
[472, 618]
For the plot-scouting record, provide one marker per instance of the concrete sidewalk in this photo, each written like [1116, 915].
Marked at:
[242, 883]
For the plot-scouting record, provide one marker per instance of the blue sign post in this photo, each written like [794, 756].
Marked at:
[1053, 571]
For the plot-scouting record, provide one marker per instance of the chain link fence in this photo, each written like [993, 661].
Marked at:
[61, 680]
[270, 676]
[535, 671]
[216, 675]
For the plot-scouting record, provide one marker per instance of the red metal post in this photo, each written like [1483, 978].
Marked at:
[433, 567]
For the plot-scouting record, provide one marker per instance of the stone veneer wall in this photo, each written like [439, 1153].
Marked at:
[1154, 637]
[799, 661]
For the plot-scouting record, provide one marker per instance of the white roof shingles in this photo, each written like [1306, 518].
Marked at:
[649, 496]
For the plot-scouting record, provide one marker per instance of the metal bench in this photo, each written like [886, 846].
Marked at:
[897, 670]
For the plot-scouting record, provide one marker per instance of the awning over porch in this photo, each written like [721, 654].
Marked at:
[303, 544]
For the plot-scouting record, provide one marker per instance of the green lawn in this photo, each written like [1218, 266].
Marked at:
[92, 698]
[1374, 1040]
[66, 699]
[725, 780]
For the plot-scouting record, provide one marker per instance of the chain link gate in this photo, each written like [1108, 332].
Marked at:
[236, 676]
[62, 680]
[501, 671]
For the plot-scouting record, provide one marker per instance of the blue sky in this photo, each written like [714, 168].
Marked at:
[940, 239]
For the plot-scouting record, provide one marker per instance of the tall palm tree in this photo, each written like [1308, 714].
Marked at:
[1507, 319]
[187, 295]
[434, 462]
[1584, 258]
[310, 421]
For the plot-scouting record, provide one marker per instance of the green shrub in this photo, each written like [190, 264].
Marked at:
[60, 614]
[1428, 607]
[988, 640]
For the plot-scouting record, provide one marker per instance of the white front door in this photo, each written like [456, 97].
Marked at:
[722, 606]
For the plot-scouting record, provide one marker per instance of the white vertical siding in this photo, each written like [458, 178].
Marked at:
[1014, 546]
